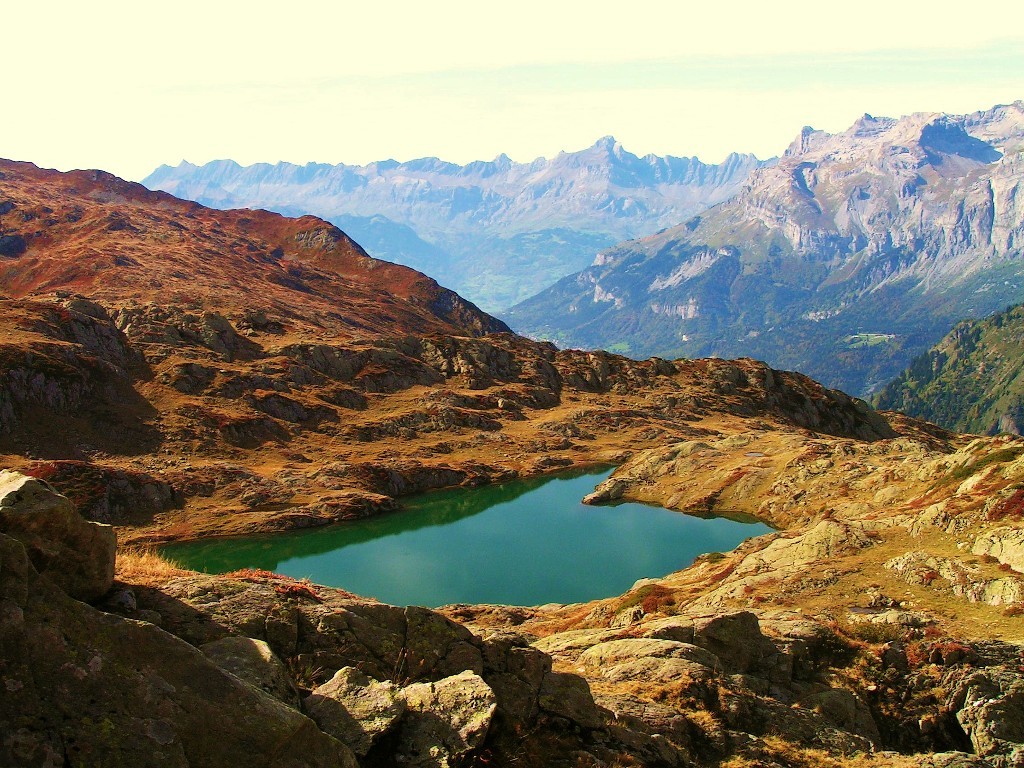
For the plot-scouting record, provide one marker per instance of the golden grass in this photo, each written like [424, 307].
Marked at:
[795, 756]
[145, 565]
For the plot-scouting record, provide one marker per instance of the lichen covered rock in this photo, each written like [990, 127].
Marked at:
[78, 556]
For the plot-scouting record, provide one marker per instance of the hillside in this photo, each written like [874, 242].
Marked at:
[853, 253]
[92, 233]
[158, 371]
[498, 231]
[971, 381]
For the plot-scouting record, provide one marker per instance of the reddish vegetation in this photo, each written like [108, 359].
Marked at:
[90, 232]
[255, 575]
[1012, 507]
[297, 591]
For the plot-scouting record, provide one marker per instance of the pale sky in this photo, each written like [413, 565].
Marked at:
[126, 86]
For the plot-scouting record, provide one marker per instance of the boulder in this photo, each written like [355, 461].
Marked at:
[253, 661]
[828, 539]
[670, 628]
[444, 720]
[569, 696]
[735, 638]
[989, 705]
[82, 687]
[845, 711]
[616, 652]
[355, 709]
[77, 555]
[1005, 544]
[515, 672]
[573, 641]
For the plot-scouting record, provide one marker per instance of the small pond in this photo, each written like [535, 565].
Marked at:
[526, 542]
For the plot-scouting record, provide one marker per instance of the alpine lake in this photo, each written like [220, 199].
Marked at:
[525, 542]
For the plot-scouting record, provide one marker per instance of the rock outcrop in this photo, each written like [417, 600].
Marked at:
[86, 687]
[77, 555]
[356, 709]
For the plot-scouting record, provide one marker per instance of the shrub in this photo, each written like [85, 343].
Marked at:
[996, 457]
[876, 634]
[1012, 506]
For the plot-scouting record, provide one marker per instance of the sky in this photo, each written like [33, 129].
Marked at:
[127, 86]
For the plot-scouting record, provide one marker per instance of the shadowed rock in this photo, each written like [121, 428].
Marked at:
[78, 556]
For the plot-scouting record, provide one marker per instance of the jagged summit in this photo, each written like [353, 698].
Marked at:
[497, 231]
[851, 254]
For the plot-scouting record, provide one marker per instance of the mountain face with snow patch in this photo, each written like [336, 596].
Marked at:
[846, 258]
[497, 231]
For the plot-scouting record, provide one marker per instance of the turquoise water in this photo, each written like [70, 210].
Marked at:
[526, 542]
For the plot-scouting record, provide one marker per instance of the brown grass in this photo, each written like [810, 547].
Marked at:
[786, 753]
[146, 565]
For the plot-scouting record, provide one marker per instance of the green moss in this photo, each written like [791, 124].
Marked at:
[960, 474]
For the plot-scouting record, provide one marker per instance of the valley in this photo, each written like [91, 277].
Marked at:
[970, 381]
[182, 374]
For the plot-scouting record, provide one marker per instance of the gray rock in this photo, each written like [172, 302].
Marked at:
[735, 638]
[569, 696]
[618, 651]
[1005, 544]
[85, 687]
[844, 710]
[444, 720]
[990, 707]
[254, 662]
[77, 555]
[355, 709]
[671, 628]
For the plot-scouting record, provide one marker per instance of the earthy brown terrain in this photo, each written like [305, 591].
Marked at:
[179, 372]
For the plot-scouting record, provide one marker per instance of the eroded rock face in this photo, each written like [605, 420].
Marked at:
[990, 707]
[78, 556]
[1005, 544]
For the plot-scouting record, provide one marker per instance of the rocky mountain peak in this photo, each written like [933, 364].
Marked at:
[466, 224]
[944, 138]
[857, 249]
[808, 140]
[868, 126]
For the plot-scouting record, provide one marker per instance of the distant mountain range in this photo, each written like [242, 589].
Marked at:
[971, 381]
[497, 232]
[851, 254]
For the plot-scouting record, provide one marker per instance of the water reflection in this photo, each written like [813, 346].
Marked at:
[525, 542]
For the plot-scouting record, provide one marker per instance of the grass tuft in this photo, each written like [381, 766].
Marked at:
[145, 564]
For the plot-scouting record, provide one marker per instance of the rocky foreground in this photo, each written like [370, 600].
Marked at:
[819, 645]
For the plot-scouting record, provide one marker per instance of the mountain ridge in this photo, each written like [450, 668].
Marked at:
[971, 381]
[860, 247]
[496, 231]
[882, 615]
[112, 226]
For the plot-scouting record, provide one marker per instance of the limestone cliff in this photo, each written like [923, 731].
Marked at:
[854, 252]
